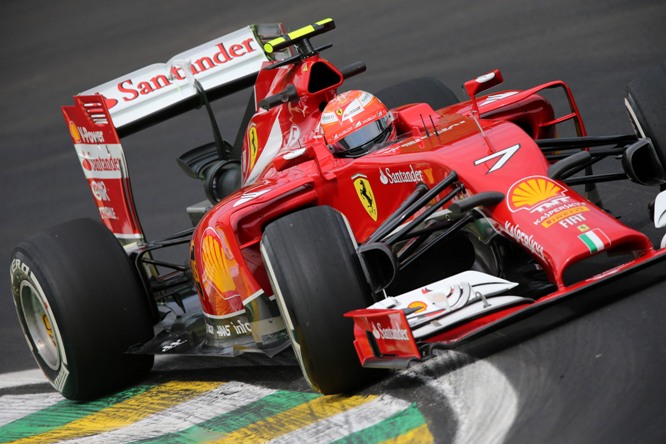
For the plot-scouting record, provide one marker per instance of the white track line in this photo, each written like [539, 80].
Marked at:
[26, 377]
[227, 397]
[339, 426]
[483, 400]
[17, 406]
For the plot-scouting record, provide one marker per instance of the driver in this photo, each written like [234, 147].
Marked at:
[354, 121]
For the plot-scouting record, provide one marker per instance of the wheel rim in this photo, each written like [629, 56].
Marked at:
[40, 325]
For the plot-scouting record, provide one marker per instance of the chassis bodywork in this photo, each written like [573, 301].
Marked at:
[486, 180]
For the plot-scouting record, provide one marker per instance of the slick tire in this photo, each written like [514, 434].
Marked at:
[316, 276]
[81, 306]
[646, 104]
[420, 90]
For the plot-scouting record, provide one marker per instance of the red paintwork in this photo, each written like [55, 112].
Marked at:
[390, 328]
[286, 166]
[426, 154]
[364, 319]
[103, 164]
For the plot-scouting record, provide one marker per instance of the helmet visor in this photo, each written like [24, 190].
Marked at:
[364, 137]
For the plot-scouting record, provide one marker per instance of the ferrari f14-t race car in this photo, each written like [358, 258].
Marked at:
[361, 229]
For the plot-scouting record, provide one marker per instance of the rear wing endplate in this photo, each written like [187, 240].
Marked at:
[103, 162]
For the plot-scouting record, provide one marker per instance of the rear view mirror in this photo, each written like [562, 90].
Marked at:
[483, 83]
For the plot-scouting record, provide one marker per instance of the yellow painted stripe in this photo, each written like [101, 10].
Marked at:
[294, 419]
[293, 35]
[306, 30]
[127, 412]
[418, 435]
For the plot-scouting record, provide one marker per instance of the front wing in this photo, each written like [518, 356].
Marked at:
[384, 337]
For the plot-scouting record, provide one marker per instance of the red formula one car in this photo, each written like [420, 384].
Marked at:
[363, 230]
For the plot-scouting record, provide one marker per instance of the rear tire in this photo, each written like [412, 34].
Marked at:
[646, 104]
[81, 306]
[316, 276]
[420, 90]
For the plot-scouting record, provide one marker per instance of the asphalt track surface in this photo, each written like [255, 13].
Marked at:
[598, 378]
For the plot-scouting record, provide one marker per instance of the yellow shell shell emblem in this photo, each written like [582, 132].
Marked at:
[418, 304]
[74, 131]
[365, 195]
[531, 192]
[218, 265]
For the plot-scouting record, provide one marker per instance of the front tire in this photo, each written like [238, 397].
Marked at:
[81, 306]
[316, 276]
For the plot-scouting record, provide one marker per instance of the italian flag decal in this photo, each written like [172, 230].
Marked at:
[596, 240]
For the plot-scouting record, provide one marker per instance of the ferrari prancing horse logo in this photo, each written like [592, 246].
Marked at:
[365, 194]
[254, 145]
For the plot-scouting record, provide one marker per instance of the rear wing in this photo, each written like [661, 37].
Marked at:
[102, 115]
[160, 91]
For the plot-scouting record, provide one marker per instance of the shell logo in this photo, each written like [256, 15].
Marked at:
[74, 131]
[532, 191]
[218, 265]
[419, 305]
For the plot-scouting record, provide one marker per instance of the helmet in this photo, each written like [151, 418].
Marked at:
[354, 121]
